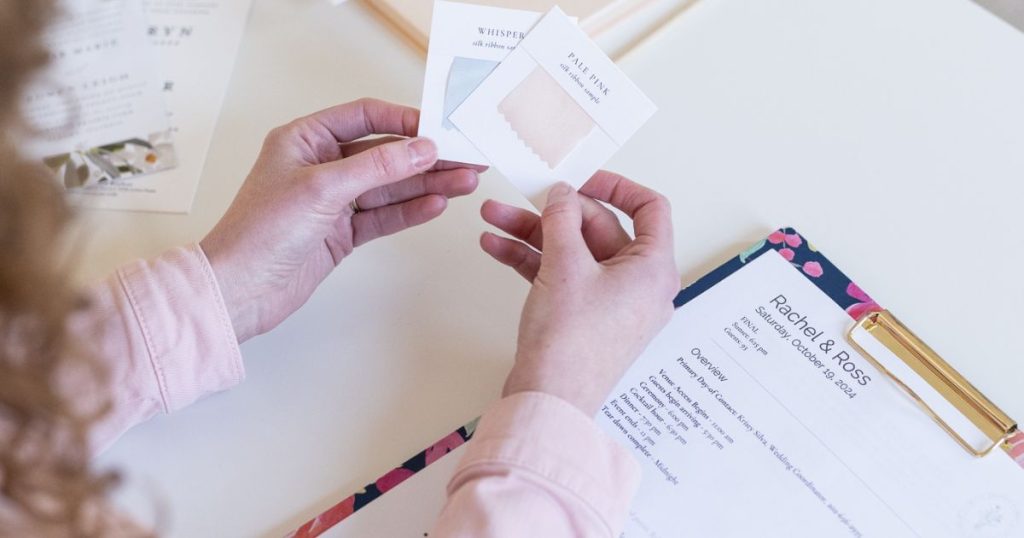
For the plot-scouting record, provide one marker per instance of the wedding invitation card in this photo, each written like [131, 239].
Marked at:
[98, 112]
[127, 78]
[556, 109]
[196, 42]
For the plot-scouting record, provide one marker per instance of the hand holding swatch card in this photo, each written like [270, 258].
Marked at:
[543, 108]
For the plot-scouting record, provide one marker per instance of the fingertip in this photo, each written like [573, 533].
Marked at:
[421, 210]
[466, 182]
[561, 197]
[422, 152]
[558, 192]
[435, 203]
[490, 243]
[488, 209]
[449, 183]
[511, 253]
[486, 203]
[560, 189]
[498, 214]
[425, 208]
[562, 223]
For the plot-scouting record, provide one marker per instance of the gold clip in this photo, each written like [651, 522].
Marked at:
[992, 421]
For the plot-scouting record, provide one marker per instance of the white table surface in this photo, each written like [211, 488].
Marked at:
[889, 132]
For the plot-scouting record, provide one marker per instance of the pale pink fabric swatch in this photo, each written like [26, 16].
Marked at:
[545, 117]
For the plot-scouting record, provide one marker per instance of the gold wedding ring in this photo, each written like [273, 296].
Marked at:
[355, 206]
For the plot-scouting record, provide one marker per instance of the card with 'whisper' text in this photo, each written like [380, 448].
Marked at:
[467, 42]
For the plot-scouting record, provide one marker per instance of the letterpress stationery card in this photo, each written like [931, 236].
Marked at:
[466, 43]
[98, 110]
[556, 109]
[126, 76]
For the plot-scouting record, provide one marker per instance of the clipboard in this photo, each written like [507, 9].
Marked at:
[865, 314]
[916, 354]
[882, 325]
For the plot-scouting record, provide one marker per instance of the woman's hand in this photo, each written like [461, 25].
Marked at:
[598, 296]
[293, 219]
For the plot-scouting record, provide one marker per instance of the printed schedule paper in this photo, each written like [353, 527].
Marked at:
[751, 415]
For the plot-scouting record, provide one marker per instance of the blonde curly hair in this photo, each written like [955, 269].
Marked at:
[47, 485]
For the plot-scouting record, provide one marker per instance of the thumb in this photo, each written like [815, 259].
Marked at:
[345, 179]
[562, 225]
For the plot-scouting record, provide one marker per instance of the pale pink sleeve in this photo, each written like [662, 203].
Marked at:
[165, 336]
[537, 466]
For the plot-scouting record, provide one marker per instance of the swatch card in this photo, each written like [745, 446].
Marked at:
[467, 42]
[556, 109]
